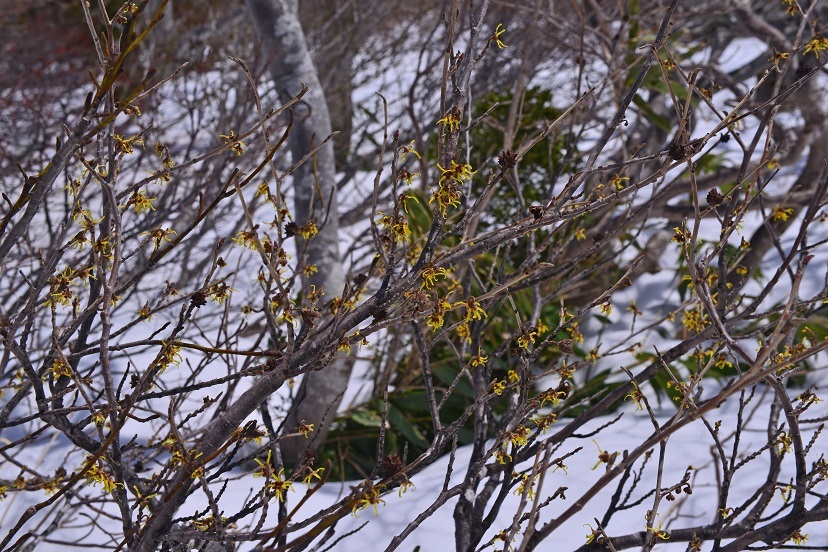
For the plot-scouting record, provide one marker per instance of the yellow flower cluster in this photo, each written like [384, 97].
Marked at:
[431, 274]
[370, 497]
[448, 193]
[276, 485]
[396, 226]
[816, 45]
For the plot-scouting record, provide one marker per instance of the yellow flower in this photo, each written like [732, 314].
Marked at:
[463, 332]
[371, 497]
[142, 203]
[344, 345]
[519, 437]
[124, 145]
[784, 442]
[816, 45]
[304, 428]
[311, 475]
[145, 312]
[96, 474]
[435, 321]
[636, 395]
[722, 362]
[681, 235]
[604, 457]
[169, 354]
[694, 319]
[791, 7]
[473, 310]
[219, 292]
[451, 119]
[245, 239]
[575, 333]
[60, 368]
[809, 397]
[158, 236]
[590, 538]
[499, 30]
[526, 486]
[447, 195]
[405, 485]
[277, 484]
[663, 535]
[104, 247]
[99, 418]
[405, 150]
[263, 190]
[308, 230]
[456, 172]
[408, 177]
[502, 458]
[479, 359]
[206, 523]
[617, 181]
[798, 537]
[396, 225]
[528, 336]
[236, 146]
[286, 315]
[780, 214]
[544, 422]
[431, 274]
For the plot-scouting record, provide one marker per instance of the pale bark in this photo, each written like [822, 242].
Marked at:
[285, 46]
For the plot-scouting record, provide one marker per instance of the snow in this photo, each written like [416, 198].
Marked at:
[690, 448]
[692, 445]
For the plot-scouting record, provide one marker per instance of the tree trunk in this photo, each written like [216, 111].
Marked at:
[333, 56]
[285, 46]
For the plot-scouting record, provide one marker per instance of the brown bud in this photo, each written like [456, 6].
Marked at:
[391, 465]
[507, 159]
[714, 197]
[290, 229]
[309, 457]
[677, 151]
[565, 345]
[199, 299]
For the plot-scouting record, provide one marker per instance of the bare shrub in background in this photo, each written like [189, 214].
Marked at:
[176, 257]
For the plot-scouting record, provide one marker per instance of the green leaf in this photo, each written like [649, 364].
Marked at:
[659, 120]
[367, 418]
[414, 401]
[682, 288]
[402, 424]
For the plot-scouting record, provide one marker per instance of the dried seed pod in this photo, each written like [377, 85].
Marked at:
[714, 197]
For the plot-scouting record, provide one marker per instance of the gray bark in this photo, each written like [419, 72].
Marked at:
[339, 35]
[285, 46]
